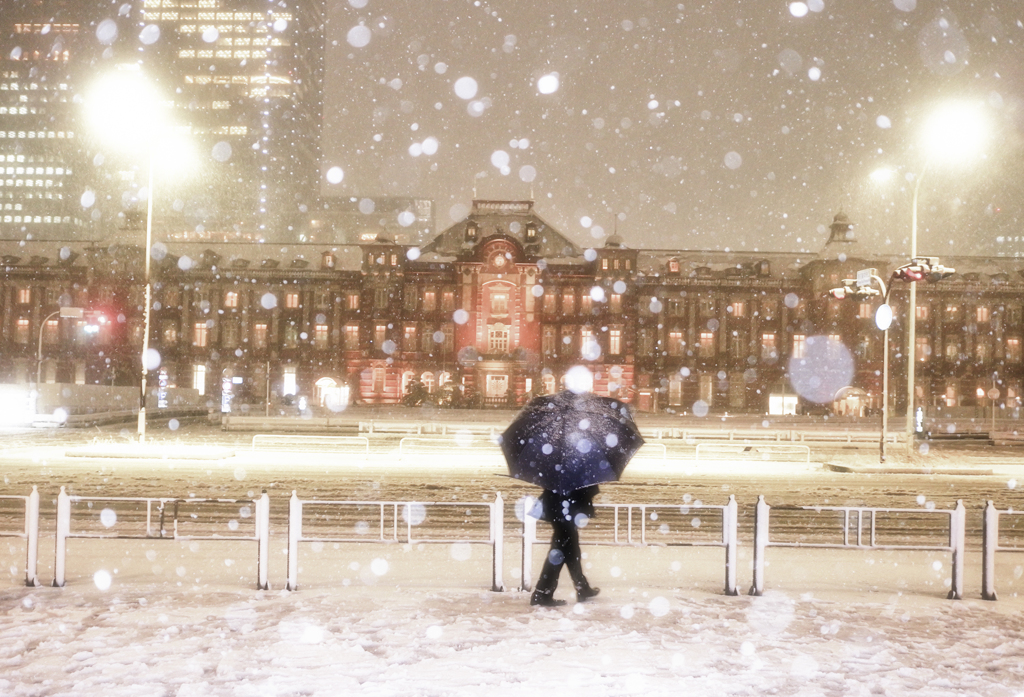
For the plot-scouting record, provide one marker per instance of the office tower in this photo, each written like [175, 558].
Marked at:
[39, 144]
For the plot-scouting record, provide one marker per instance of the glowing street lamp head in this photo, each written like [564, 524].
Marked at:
[955, 132]
[126, 111]
[882, 175]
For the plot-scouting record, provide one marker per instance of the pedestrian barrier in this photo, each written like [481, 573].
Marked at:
[768, 452]
[990, 545]
[643, 453]
[263, 441]
[429, 428]
[693, 435]
[629, 528]
[445, 444]
[29, 533]
[912, 522]
[396, 522]
[155, 514]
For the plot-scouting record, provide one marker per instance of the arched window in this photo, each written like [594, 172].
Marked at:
[428, 381]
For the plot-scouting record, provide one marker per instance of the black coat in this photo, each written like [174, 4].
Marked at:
[568, 506]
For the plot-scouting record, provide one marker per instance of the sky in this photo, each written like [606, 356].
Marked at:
[713, 124]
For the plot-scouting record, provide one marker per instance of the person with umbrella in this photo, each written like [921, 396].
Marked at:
[568, 443]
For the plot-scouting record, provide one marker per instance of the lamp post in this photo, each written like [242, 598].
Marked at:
[126, 110]
[75, 312]
[954, 132]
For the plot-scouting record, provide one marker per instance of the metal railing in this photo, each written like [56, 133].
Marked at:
[265, 441]
[754, 451]
[158, 513]
[990, 545]
[29, 533]
[446, 444]
[630, 529]
[442, 428]
[854, 536]
[397, 522]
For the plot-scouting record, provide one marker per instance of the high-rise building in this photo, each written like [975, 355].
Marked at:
[39, 148]
[244, 80]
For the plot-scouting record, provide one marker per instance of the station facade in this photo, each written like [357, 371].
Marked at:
[499, 307]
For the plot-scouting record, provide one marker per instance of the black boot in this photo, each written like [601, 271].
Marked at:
[545, 598]
[584, 593]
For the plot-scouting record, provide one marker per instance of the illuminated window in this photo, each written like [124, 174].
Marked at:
[352, 301]
[707, 344]
[199, 378]
[981, 313]
[448, 300]
[409, 338]
[351, 337]
[615, 342]
[291, 300]
[864, 310]
[739, 309]
[799, 345]
[320, 336]
[231, 299]
[291, 336]
[199, 334]
[615, 303]
[50, 332]
[1013, 352]
[24, 296]
[430, 301]
[259, 335]
[547, 341]
[289, 383]
[568, 303]
[170, 333]
[923, 348]
[950, 396]
[380, 333]
[676, 343]
[923, 312]
[21, 330]
[497, 338]
[499, 303]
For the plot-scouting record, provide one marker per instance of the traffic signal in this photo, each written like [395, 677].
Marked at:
[909, 273]
[850, 289]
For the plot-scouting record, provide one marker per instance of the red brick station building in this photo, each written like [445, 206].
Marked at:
[498, 307]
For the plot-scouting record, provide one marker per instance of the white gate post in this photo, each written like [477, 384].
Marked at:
[498, 540]
[990, 543]
[729, 539]
[60, 542]
[958, 527]
[263, 541]
[32, 538]
[529, 536]
[294, 534]
[760, 544]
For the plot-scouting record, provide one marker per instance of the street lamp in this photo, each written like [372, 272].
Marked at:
[75, 312]
[127, 112]
[953, 133]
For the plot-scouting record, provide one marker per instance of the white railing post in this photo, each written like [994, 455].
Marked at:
[32, 538]
[729, 515]
[958, 528]
[294, 534]
[498, 540]
[263, 541]
[760, 544]
[60, 541]
[529, 537]
[989, 544]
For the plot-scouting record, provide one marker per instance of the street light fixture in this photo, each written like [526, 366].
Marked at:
[954, 132]
[128, 113]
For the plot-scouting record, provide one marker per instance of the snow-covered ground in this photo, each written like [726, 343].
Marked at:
[184, 619]
[157, 617]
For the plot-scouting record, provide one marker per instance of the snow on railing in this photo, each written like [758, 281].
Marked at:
[990, 545]
[857, 516]
[157, 513]
[433, 445]
[629, 528]
[29, 533]
[263, 441]
[396, 523]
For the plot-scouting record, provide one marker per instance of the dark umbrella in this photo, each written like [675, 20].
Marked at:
[567, 441]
